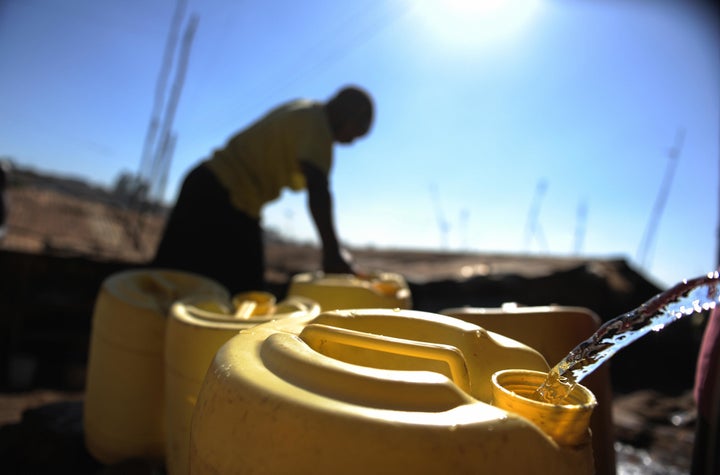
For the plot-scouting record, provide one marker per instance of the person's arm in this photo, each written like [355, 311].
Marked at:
[320, 204]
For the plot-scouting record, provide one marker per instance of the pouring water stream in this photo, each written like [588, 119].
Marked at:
[686, 298]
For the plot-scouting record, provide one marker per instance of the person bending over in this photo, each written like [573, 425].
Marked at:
[214, 228]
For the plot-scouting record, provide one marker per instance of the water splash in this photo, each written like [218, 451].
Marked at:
[686, 298]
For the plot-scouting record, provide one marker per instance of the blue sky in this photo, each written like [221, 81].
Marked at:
[539, 126]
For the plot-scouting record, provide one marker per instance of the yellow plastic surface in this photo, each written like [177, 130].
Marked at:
[197, 327]
[566, 423]
[554, 330]
[369, 391]
[124, 396]
[254, 302]
[346, 291]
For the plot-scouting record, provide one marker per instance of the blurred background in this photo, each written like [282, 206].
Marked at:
[549, 127]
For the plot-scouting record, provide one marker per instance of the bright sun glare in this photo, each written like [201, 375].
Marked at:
[474, 23]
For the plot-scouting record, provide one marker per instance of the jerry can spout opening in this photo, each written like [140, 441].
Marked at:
[567, 423]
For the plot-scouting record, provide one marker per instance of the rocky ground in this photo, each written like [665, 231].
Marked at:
[59, 241]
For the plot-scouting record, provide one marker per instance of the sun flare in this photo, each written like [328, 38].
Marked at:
[474, 6]
[473, 23]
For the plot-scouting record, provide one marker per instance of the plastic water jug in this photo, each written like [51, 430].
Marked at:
[197, 328]
[345, 291]
[554, 330]
[372, 391]
[124, 395]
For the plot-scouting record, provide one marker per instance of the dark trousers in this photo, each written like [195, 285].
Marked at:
[205, 234]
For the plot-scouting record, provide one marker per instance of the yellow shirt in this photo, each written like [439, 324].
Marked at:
[257, 163]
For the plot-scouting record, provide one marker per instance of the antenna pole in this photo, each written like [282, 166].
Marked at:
[649, 236]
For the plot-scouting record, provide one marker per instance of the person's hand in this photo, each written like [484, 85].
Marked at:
[338, 262]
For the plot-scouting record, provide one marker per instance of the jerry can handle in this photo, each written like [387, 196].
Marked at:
[409, 325]
[291, 358]
[317, 335]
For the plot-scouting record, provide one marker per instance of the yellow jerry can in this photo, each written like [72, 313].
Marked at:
[197, 328]
[372, 391]
[124, 393]
[554, 330]
[345, 291]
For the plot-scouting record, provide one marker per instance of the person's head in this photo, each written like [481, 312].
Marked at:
[350, 113]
